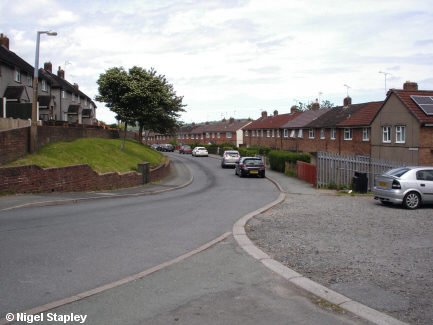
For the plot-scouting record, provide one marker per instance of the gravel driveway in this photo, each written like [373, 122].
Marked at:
[378, 255]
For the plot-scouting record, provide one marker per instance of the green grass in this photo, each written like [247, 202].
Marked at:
[101, 154]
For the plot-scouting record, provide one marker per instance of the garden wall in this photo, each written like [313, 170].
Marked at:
[78, 178]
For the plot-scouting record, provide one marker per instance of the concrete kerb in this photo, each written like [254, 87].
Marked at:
[299, 280]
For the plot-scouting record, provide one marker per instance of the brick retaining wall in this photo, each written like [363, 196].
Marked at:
[78, 178]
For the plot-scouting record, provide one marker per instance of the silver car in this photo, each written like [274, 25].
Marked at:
[408, 185]
[229, 158]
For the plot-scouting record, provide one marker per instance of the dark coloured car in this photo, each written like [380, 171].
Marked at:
[410, 186]
[167, 147]
[156, 147]
[185, 149]
[250, 166]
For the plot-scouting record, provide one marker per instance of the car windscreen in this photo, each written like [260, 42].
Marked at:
[397, 172]
[252, 162]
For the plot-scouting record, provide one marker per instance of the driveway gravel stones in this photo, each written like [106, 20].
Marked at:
[380, 256]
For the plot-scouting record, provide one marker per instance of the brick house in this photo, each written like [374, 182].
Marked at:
[293, 131]
[329, 132]
[266, 131]
[402, 129]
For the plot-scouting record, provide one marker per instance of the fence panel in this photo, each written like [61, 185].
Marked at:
[340, 169]
[307, 172]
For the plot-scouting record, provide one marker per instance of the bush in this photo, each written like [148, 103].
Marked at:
[278, 159]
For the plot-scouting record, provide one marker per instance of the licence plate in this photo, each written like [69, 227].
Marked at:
[254, 171]
[383, 184]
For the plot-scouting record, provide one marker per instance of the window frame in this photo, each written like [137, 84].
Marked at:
[365, 134]
[386, 131]
[333, 134]
[348, 134]
[311, 133]
[17, 75]
[400, 134]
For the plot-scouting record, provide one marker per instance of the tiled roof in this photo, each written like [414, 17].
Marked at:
[305, 118]
[220, 127]
[404, 96]
[336, 115]
[11, 58]
[273, 121]
[364, 117]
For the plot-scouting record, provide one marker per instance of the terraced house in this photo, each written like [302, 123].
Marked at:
[58, 99]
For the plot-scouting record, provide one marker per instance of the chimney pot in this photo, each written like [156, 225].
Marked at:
[61, 73]
[264, 114]
[275, 113]
[293, 109]
[76, 85]
[232, 120]
[48, 67]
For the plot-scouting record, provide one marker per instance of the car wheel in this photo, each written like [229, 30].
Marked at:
[236, 171]
[411, 200]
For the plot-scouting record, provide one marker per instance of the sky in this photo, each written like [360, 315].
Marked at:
[230, 58]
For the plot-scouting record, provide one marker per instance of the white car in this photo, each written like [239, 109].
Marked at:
[200, 151]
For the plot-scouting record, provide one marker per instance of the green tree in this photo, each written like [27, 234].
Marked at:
[141, 96]
[309, 106]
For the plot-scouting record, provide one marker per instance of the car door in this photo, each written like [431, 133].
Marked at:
[425, 184]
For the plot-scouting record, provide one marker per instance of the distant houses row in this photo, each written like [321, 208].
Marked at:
[58, 99]
[400, 128]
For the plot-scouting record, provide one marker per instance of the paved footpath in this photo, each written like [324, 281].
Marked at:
[218, 283]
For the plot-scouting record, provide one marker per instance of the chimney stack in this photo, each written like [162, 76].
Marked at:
[76, 85]
[347, 101]
[224, 120]
[316, 105]
[232, 120]
[264, 114]
[410, 86]
[293, 109]
[275, 113]
[61, 73]
[4, 41]
[48, 67]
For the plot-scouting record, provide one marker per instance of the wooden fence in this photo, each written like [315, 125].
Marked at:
[307, 172]
[340, 169]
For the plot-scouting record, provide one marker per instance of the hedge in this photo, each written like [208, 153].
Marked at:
[278, 159]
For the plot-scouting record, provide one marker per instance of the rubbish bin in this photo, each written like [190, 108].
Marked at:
[360, 182]
[144, 168]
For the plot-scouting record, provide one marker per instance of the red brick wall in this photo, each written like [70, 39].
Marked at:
[265, 141]
[78, 178]
[14, 144]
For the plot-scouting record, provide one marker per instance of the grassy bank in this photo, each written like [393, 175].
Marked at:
[101, 154]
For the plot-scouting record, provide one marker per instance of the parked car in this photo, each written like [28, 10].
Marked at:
[185, 149]
[229, 158]
[200, 151]
[410, 186]
[167, 147]
[248, 166]
[156, 147]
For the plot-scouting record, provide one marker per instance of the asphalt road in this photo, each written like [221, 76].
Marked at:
[53, 252]
[56, 252]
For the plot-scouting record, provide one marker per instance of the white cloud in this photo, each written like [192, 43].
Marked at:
[225, 56]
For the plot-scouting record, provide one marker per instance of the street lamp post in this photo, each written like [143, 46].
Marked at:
[34, 125]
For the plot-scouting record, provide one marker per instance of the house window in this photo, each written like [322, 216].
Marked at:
[228, 135]
[79, 99]
[333, 134]
[293, 134]
[365, 134]
[202, 136]
[311, 133]
[207, 135]
[347, 134]
[192, 136]
[246, 133]
[268, 132]
[253, 134]
[29, 81]
[213, 135]
[64, 94]
[218, 135]
[44, 85]
[273, 133]
[322, 133]
[73, 97]
[17, 75]
[400, 134]
[300, 133]
[85, 102]
[386, 134]
[286, 133]
[278, 133]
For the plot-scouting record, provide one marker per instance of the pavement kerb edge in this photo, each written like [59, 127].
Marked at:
[115, 196]
[358, 309]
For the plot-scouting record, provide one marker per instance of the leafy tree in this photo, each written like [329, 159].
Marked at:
[141, 96]
[309, 107]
